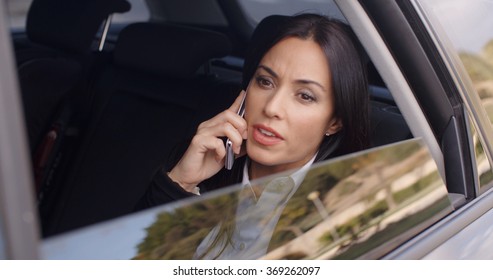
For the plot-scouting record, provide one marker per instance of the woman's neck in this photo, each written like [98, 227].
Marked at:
[257, 170]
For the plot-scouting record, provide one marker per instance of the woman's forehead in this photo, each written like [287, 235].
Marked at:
[300, 59]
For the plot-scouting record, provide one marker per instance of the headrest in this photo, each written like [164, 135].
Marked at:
[69, 24]
[168, 50]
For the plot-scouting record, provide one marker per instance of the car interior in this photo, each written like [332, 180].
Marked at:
[100, 122]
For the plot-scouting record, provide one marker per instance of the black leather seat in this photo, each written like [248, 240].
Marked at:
[150, 97]
[387, 125]
[54, 59]
[53, 68]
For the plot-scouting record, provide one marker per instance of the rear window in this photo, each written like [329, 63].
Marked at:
[258, 9]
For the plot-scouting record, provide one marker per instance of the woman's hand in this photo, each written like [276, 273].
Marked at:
[205, 155]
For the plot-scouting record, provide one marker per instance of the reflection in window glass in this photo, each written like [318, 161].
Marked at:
[469, 26]
[360, 206]
[483, 166]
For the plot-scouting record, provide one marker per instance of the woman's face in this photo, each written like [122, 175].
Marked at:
[289, 106]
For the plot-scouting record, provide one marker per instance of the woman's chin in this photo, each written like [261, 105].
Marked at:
[262, 157]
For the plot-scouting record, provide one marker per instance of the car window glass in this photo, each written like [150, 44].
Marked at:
[469, 25]
[358, 206]
[485, 174]
[180, 12]
[258, 9]
[17, 10]
[139, 12]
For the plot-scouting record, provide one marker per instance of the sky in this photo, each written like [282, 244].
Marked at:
[468, 24]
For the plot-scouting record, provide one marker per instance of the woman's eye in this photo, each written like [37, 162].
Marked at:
[263, 82]
[307, 97]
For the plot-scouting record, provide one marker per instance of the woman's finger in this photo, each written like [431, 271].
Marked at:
[216, 146]
[225, 130]
[242, 150]
[225, 116]
[236, 105]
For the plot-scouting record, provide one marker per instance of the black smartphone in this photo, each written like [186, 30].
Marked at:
[230, 156]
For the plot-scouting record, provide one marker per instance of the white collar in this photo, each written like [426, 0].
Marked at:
[297, 176]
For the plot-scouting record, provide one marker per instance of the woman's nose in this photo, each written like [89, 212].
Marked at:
[274, 107]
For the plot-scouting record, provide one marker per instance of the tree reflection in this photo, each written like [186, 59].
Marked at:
[352, 207]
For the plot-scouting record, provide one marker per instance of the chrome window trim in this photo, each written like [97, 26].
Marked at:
[471, 131]
[461, 80]
[17, 208]
[392, 75]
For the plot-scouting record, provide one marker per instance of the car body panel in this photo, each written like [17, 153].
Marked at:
[456, 224]
[474, 242]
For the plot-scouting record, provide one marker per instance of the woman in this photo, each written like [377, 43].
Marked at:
[306, 101]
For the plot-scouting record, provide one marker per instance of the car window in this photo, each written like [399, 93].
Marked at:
[468, 25]
[485, 174]
[258, 9]
[139, 12]
[180, 12]
[358, 206]
[17, 9]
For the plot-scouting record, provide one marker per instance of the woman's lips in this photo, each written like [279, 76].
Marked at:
[265, 135]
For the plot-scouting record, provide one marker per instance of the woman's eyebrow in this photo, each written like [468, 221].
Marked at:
[311, 82]
[270, 71]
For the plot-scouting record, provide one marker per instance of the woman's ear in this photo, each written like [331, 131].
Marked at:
[334, 126]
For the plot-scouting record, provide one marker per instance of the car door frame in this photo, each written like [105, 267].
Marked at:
[412, 66]
[18, 215]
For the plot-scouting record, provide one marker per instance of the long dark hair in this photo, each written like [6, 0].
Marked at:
[347, 67]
